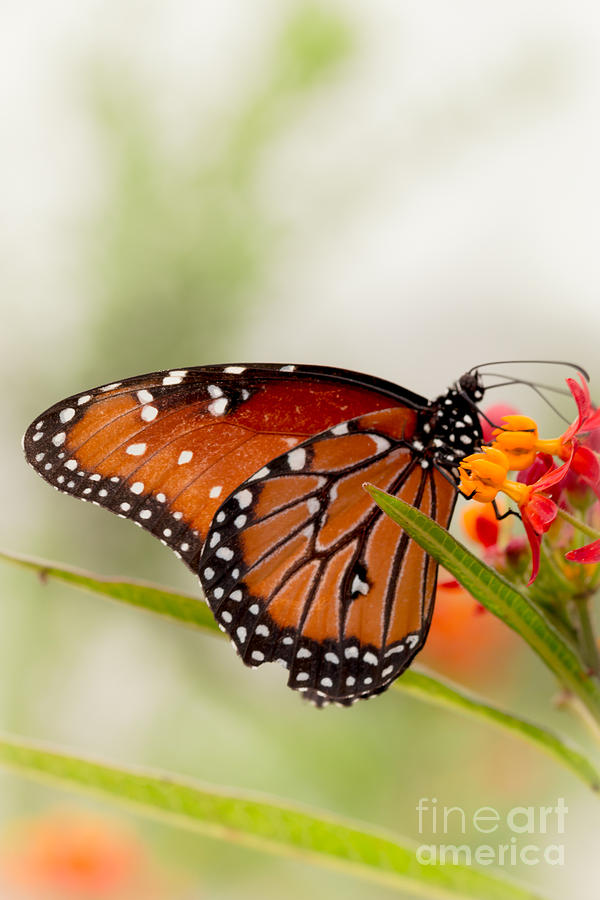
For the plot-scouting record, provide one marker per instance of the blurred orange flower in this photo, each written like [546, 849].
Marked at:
[70, 855]
[465, 639]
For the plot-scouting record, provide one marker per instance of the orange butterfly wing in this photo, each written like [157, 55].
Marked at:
[166, 449]
[301, 567]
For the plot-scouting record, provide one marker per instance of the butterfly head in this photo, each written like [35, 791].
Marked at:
[471, 385]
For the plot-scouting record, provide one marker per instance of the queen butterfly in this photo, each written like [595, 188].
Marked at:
[252, 475]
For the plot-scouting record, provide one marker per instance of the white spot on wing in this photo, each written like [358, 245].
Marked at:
[381, 443]
[234, 370]
[184, 457]
[215, 391]
[244, 498]
[260, 474]
[149, 413]
[358, 586]
[66, 415]
[59, 439]
[297, 458]
[225, 553]
[145, 396]
[137, 487]
[340, 429]
[218, 406]
[215, 491]
[136, 449]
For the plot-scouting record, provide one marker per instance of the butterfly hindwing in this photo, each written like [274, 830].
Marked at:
[301, 567]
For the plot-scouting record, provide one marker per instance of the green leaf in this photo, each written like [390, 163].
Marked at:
[443, 694]
[189, 611]
[287, 830]
[497, 595]
[184, 608]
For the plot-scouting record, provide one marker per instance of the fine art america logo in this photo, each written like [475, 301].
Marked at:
[533, 834]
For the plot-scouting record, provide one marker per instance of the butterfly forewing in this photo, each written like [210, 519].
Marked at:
[165, 449]
[301, 567]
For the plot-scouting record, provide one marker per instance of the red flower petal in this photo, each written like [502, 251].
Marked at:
[588, 554]
[542, 463]
[593, 421]
[581, 395]
[553, 476]
[586, 464]
[534, 542]
[487, 531]
[496, 414]
[541, 512]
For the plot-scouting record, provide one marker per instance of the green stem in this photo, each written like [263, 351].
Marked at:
[587, 638]
[579, 525]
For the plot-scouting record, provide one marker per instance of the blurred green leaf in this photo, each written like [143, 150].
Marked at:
[239, 817]
[314, 42]
[184, 608]
[497, 595]
[441, 693]
[191, 611]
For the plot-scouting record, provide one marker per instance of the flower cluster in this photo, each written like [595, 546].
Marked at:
[556, 477]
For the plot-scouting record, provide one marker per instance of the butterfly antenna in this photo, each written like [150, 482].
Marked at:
[538, 388]
[534, 362]
[539, 384]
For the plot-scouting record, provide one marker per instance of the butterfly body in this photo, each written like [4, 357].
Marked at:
[253, 475]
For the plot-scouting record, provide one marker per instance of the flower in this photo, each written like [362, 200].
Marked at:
[481, 524]
[518, 438]
[465, 641]
[483, 475]
[588, 554]
[493, 414]
[73, 855]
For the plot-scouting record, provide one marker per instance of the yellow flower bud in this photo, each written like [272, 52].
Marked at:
[518, 440]
[483, 474]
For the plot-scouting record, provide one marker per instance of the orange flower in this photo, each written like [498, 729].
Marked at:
[464, 638]
[483, 474]
[480, 523]
[518, 440]
[72, 855]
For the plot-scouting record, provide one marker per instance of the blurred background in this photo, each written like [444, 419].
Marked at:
[397, 188]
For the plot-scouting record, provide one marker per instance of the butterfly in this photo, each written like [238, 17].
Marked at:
[252, 474]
